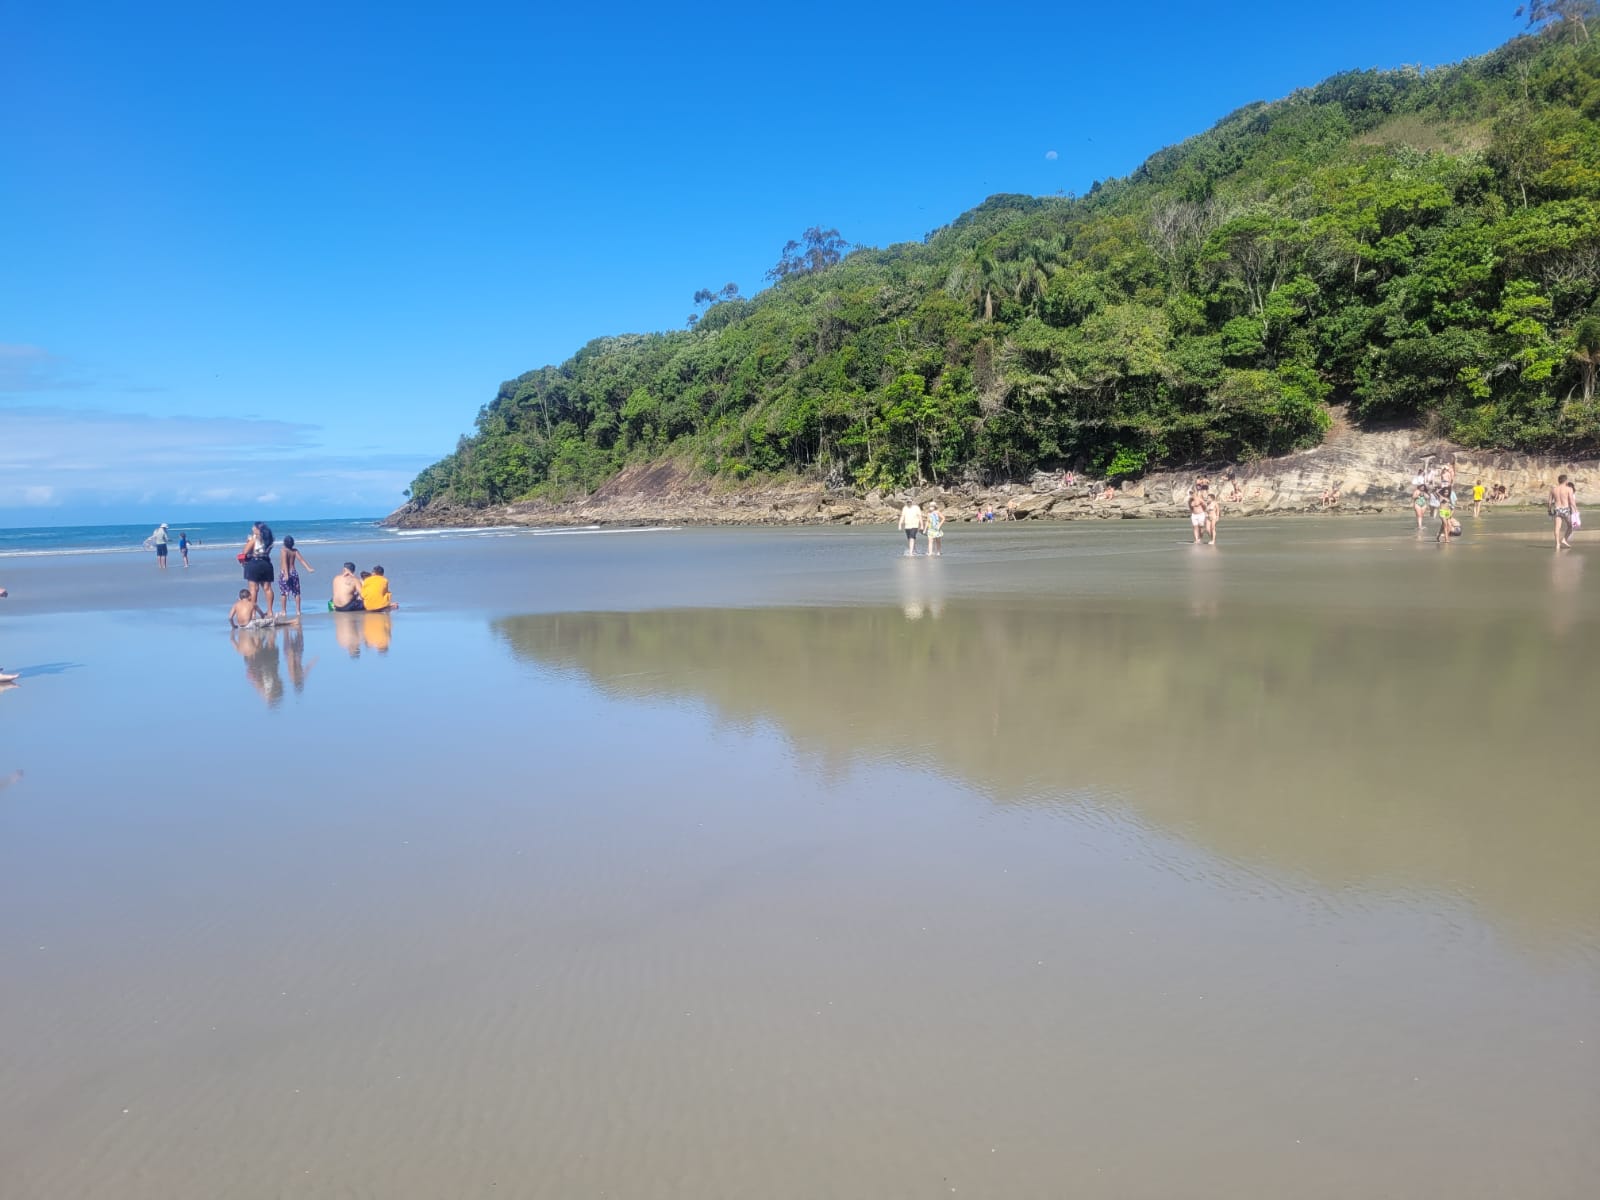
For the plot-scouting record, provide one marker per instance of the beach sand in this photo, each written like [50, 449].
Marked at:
[743, 862]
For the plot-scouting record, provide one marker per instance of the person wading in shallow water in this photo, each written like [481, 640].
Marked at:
[910, 525]
[1564, 508]
[1197, 513]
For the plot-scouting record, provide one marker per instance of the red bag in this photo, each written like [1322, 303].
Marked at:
[241, 556]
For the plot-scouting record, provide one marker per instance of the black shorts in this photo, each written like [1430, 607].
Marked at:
[258, 570]
[161, 549]
[356, 605]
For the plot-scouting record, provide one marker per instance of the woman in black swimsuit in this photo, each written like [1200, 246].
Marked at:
[257, 560]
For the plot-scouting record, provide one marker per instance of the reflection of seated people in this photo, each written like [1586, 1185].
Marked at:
[376, 628]
[347, 590]
[375, 595]
[244, 610]
[347, 632]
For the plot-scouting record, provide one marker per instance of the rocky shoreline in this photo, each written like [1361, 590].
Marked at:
[1370, 471]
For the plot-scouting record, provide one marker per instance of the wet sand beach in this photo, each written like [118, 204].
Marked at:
[1081, 862]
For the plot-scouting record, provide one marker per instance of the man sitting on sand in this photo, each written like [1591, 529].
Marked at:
[375, 592]
[347, 590]
[244, 610]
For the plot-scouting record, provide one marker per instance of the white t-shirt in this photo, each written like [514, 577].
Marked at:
[911, 517]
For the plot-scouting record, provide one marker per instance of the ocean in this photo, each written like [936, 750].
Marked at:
[55, 540]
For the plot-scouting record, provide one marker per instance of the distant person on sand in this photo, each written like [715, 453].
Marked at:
[375, 595]
[910, 524]
[935, 523]
[347, 590]
[290, 561]
[1564, 508]
[158, 539]
[257, 560]
[4, 678]
[244, 610]
[1109, 492]
[1197, 513]
[183, 549]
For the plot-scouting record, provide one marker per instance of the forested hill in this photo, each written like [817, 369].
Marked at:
[1424, 246]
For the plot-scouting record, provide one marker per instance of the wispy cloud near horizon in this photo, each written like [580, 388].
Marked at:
[58, 457]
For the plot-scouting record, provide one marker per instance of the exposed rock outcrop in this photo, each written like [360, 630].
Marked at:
[1366, 471]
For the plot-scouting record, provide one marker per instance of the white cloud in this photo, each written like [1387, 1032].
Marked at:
[1051, 155]
[79, 457]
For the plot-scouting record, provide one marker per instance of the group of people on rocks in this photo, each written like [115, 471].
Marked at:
[366, 592]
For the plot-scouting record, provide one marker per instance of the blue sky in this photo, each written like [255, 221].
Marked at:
[271, 260]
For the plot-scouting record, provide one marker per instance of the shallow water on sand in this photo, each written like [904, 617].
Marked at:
[767, 863]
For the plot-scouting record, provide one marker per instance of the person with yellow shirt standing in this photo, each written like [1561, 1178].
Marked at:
[375, 595]
[1477, 497]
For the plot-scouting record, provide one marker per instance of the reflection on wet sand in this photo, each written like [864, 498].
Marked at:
[1392, 754]
[363, 629]
[259, 649]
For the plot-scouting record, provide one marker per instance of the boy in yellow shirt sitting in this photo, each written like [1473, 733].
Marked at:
[375, 596]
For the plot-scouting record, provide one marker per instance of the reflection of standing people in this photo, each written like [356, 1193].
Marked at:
[1563, 507]
[294, 650]
[910, 523]
[935, 523]
[259, 649]
[289, 575]
[257, 559]
[158, 539]
[183, 549]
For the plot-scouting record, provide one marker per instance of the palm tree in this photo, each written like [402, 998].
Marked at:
[978, 280]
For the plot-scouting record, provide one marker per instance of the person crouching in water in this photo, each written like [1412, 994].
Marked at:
[347, 590]
[375, 592]
[244, 610]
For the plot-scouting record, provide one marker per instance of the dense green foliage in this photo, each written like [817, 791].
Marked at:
[1424, 246]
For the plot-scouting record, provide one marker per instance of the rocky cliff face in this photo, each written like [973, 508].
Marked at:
[1367, 471]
